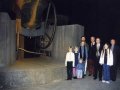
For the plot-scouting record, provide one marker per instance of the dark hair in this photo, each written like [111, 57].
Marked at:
[92, 36]
[83, 36]
[97, 37]
[108, 47]
[107, 44]
[70, 46]
[113, 39]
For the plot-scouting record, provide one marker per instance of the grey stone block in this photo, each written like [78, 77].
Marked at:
[65, 36]
[7, 40]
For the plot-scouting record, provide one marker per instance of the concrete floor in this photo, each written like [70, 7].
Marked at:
[85, 84]
[32, 72]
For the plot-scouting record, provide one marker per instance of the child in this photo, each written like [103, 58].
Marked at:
[69, 63]
[77, 56]
[80, 69]
[106, 59]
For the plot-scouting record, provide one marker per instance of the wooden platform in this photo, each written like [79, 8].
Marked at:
[31, 72]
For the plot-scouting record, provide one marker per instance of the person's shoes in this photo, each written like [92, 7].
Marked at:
[94, 78]
[84, 75]
[100, 79]
[89, 75]
[103, 81]
[75, 77]
[113, 80]
[107, 82]
[67, 79]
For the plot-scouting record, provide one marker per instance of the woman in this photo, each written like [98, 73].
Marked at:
[106, 59]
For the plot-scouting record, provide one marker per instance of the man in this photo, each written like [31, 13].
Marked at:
[83, 39]
[97, 66]
[83, 50]
[113, 69]
[91, 56]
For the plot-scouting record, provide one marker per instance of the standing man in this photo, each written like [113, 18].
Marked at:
[113, 69]
[91, 56]
[83, 50]
[97, 66]
[83, 44]
[83, 39]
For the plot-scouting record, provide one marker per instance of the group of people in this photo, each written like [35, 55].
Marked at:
[99, 60]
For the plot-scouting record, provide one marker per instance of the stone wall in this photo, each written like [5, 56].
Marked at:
[68, 35]
[7, 40]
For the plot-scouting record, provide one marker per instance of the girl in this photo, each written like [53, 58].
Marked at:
[69, 63]
[106, 59]
[77, 57]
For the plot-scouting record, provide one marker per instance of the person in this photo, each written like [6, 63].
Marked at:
[91, 56]
[97, 66]
[106, 59]
[83, 39]
[80, 69]
[77, 56]
[69, 63]
[83, 50]
[113, 69]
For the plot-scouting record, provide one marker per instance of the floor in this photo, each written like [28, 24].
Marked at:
[84, 84]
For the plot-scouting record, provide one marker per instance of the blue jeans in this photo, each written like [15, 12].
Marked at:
[79, 73]
[106, 72]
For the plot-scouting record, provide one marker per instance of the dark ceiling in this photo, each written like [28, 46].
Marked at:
[100, 17]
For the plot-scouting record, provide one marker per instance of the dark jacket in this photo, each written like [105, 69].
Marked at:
[92, 52]
[100, 49]
[116, 56]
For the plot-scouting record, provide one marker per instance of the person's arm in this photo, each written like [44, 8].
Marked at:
[83, 65]
[66, 59]
[78, 56]
[118, 57]
[86, 50]
[111, 58]
[73, 59]
[101, 58]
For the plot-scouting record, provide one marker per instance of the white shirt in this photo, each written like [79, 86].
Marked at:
[98, 46]
[93, 43]
[112, 48]
[70, 56]
[109, 58]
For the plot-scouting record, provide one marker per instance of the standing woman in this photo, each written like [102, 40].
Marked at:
[106, 59]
